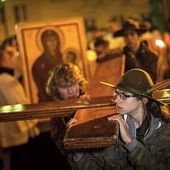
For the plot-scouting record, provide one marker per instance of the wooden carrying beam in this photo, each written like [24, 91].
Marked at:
[108, 71]
[50, 109]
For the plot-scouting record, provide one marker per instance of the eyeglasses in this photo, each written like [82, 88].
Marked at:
[122, 95]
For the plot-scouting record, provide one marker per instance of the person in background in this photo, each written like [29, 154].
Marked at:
[150, 27]
[144, 129]
[103, 53]
[11, 45]
[101, 47]
[13, 135]
[114, 42]
[151, 35]
[163, 68]
[137, 53]
[66, 82]
[93, 34]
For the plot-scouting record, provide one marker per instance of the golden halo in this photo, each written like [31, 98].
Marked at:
[53, 28]
[74, 50]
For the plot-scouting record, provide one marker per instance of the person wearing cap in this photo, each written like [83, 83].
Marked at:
[137, 53]
[144, 129]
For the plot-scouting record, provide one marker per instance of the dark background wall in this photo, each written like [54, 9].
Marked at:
[94, 11]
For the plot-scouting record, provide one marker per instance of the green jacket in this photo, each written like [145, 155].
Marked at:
[152, 153]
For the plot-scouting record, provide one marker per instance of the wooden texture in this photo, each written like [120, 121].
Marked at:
[108, 71]
[50, 109]
[92, 130]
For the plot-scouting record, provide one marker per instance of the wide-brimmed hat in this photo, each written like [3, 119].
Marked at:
[129, 26]
[139, 83]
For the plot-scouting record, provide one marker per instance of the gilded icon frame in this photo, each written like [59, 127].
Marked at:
[73, 38]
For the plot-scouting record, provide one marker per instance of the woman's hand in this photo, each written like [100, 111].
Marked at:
[125, 135]
[85, 96]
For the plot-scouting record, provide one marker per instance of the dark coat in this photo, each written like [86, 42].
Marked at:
[144, 59]
[58, 131]
[151, 153]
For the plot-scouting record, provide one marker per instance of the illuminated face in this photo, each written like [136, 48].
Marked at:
[126, 103]
[69, 92]
[7, 60]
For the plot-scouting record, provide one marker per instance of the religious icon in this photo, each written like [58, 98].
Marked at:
[43, 45]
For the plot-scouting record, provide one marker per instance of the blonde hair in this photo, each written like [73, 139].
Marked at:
[63, 75]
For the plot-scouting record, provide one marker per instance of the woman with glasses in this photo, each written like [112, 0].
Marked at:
[144, 129]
